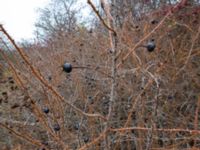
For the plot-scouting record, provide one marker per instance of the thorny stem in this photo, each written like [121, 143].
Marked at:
[196, 117]
[156, 129]
[95, 141]
[190, 52]
[153, 120]
[25, 137]
[123, 130]
[35, 108]
[113, 85]
[150, 81]
[138, 44]
[43, 81]
[113, 44]
[99, 16]
[142, 40]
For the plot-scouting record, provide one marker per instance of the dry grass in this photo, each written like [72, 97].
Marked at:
[122, 99]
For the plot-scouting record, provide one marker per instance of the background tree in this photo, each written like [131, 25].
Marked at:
[57, 20]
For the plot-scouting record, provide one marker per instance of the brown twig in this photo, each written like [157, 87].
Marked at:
[22, 136]
[95, 141]
[196, 117]
[190, 52]
[113, 44]
[35, 108]
[154, 129]
[43, 81]
[99, 16]
[143, 39]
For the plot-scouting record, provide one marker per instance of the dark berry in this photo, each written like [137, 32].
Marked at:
[56, 127]
[46, 110]
[76, 126]
[86, 139]
[4, 93]
[12, 88]
[90, 31]
[170, 97]
[45, 143]
[10, 78]
[67, 67]
[49, 78]
[11, 82]
[110, 50]
[90, 99]
[194, 97]
[15, 105]
[151, 46]
[154, 21]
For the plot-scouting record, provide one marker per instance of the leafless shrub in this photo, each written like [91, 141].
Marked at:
[118, 95]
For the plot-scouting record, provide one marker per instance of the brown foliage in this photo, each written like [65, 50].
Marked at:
[118, 95]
